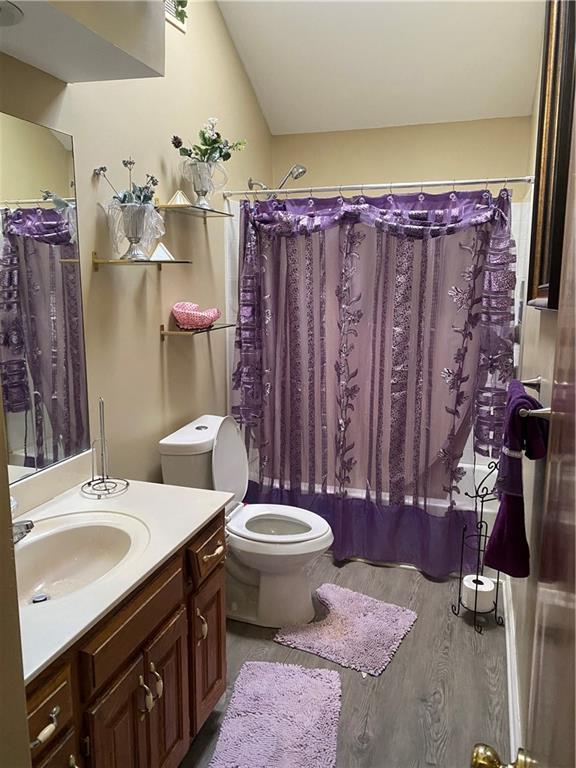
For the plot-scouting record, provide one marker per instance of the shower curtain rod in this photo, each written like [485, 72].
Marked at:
[395, 185]
[35, 201]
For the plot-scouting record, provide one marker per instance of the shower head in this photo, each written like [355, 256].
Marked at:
[296, 172]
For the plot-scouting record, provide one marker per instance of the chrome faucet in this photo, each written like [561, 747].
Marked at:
[21, 529]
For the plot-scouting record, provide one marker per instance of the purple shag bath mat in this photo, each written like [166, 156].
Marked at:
[359, 632]
[280, 716]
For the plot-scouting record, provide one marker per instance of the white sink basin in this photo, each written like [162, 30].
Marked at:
[66, 553]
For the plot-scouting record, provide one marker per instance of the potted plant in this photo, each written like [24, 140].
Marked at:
[203, 159]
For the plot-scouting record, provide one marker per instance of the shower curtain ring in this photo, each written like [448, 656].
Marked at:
[453, 185]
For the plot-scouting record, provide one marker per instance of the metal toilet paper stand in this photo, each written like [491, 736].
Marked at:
[477, 541]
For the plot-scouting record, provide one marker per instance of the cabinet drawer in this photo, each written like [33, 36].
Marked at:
[64, 755]
[207, 550]
[130, 627]
[50, 705]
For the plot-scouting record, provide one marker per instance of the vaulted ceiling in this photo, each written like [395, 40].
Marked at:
[348, 64]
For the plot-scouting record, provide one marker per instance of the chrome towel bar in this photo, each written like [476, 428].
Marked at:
[540, 413]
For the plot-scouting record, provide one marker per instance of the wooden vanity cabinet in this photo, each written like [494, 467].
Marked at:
[141, 720]
[167, 674]
[208, 645]
[135, 690]
[65, 755]
[50, 711]
[117, 722]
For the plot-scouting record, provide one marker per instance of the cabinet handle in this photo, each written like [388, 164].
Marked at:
[217, 552]
[159, 681]
[48, 731]
[148, 698]
[204, 629]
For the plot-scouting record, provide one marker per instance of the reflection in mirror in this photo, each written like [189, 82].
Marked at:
[42, 359]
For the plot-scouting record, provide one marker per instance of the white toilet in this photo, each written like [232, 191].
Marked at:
[270, 546]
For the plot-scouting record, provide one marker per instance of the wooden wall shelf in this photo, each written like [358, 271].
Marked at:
[194, 210]
[164, 332]
[96, 263]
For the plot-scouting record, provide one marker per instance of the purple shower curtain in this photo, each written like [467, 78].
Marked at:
[42, 331]
[373, 334]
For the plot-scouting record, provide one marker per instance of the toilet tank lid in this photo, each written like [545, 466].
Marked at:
[193, 438]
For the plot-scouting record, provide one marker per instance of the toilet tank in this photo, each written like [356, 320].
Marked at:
[186, 455]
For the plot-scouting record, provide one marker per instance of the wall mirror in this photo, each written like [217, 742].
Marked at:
[42, 357]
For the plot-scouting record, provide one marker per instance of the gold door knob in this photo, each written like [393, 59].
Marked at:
[485, 756]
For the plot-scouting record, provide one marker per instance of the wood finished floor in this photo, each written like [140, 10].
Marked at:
[444, 690]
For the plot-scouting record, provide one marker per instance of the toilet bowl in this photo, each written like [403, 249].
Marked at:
[271, 547]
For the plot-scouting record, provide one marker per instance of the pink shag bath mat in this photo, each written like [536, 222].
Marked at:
[280, 716]
[359, 632]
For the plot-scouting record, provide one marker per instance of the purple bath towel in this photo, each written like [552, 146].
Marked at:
[507, 549]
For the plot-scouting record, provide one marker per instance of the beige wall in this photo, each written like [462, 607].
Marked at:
[150, 388]
[475, 149]
[135, 26]
[32, 159]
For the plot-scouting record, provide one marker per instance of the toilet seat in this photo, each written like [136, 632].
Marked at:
[276, 524]
[257, 524]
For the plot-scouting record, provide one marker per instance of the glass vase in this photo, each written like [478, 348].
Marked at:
[204, 179]
[133, 218]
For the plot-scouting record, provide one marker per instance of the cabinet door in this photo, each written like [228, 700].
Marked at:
[166, 661]
[117, 722]
[208, 646]
[64, 755]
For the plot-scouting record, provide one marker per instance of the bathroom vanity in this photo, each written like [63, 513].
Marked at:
[143, 648]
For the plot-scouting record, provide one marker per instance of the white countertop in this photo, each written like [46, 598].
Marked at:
[171, 514]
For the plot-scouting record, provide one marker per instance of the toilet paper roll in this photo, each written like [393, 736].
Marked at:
[485, 588]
